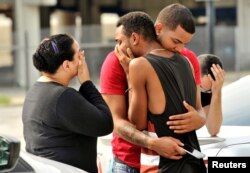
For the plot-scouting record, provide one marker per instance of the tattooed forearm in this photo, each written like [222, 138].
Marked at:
[128, 132]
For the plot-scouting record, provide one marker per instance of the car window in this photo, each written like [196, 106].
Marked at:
[237, 119]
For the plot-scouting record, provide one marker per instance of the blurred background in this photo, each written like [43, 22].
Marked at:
[222, 29]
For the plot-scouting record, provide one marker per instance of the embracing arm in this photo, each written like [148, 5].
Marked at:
[122, 127]
[167, 147]
[194, 119]
[127, 131]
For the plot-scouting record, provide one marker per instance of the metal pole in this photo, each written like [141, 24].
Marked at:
[26, 47]
[210, 13]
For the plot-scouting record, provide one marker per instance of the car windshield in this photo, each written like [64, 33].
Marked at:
[235, 103]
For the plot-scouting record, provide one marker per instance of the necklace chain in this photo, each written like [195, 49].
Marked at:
[157, 50]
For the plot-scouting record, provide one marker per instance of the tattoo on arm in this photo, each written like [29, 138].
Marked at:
[129, 133]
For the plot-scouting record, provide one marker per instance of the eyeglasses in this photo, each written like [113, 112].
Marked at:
[206, 91]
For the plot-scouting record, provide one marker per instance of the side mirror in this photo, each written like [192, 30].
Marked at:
[9, 153]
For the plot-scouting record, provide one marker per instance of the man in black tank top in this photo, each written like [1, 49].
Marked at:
[174, 76]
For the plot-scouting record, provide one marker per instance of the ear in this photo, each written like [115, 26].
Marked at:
[65, 65]
[158, 28]
[135, 38]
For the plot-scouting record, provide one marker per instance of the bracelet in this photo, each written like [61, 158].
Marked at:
[127, 90]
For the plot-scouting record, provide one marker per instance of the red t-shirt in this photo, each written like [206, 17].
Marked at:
[113, 81]
[191, 56]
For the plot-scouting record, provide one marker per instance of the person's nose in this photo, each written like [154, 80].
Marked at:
[179, 47]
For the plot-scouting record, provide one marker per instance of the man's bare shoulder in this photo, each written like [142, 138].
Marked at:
[139, 62]
[140, 67]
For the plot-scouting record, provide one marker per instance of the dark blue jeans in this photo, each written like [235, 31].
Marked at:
[117, 166]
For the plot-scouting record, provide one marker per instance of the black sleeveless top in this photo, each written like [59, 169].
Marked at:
[176, 77]
[205, 98]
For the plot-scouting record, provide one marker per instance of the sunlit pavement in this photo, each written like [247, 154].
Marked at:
[11, 122]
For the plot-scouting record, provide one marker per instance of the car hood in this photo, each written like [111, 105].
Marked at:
[231, 141]
[41, 165]
[226, 131]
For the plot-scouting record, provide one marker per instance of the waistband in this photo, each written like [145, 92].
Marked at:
[118, 160]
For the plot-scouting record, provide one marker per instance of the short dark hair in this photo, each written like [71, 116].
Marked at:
[138, 22]
[206, 62]
[52, 51]
[176, 14]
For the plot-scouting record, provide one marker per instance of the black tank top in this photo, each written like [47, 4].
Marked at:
[205, 98]
[176, 77]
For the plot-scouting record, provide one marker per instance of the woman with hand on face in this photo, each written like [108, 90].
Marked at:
[61, 123]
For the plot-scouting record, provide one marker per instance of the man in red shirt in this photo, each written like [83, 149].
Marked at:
[191, 56]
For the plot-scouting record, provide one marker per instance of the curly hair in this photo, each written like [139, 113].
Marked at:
[138, 22]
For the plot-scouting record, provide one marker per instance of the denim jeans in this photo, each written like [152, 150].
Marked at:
[117, 166]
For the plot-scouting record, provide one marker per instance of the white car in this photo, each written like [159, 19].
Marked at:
[14, 160]
[232, 141]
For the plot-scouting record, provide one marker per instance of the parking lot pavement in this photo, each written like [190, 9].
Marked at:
[11, 122]
[15, 94]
